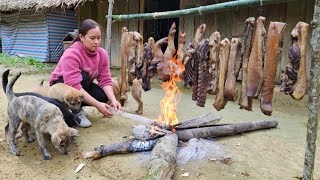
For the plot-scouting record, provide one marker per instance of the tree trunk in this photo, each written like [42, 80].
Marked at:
[313, 97]
[163, 158]
[108, 30]
[224, 130]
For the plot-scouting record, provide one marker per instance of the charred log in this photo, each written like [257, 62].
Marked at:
[121, 148]
[225, 130]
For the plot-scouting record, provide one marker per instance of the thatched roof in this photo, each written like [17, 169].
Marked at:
[13, 5]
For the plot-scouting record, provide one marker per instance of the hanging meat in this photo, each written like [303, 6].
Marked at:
[200, 85]
[224, 53]
[166, 66]
[213, 78]
[131, 50]
[274, 38]
[235, 59]
[300, 33]
[189, 58]
[147, 57]
[157, 55]
[248, 38]
[188, 62]
[255, 64]
[179, 57]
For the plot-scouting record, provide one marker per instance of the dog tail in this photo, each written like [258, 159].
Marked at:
[5, 80]
[9, 91]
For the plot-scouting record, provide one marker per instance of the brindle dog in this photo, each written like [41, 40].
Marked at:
[71, 119]
[43, 116]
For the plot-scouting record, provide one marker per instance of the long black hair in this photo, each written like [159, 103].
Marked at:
[85, 26]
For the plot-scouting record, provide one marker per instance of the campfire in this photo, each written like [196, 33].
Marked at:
[168, 104]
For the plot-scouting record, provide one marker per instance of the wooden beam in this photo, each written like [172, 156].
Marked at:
[225, 6]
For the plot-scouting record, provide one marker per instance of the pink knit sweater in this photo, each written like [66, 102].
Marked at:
[77, 58]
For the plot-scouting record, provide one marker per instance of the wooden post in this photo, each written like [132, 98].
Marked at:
[108, 29]
[313, 97]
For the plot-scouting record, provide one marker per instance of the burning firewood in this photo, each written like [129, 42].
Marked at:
[230, 90]
[275, 35]
[296, 70]
[224, 53]
[255, 64]
[214, 41]
[248, 37]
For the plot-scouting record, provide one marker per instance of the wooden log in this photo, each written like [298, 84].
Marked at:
[120, 148]
[163, 158]
[134, 117]
[225, 130]
[203, 120]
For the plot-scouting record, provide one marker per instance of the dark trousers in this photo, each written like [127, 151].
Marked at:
[93, 89]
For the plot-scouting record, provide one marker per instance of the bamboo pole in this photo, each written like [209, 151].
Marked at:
[198, 10]
[108, 30]
[313, 97]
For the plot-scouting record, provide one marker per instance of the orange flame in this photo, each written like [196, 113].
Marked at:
[168, 104]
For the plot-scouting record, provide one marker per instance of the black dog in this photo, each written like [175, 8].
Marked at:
[70, 119]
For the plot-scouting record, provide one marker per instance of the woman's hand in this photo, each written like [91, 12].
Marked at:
[116, 105]
[104, 109]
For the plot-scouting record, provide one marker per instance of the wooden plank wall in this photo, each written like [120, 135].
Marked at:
[231, 24]
[98, 9]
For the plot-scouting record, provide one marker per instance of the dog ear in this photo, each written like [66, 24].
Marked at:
[81, 97]
[73, 132]
[56, 140]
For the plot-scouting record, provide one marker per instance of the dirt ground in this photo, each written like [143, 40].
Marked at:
[267, 154]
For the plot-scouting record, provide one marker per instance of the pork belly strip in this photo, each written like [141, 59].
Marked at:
[214, 41]
[301, 33]
[220, 102]
[203, 56]
[255, 71]
[248, 37]
[274, 38]
[230, 90]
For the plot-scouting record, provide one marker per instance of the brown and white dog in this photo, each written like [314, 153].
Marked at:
[135, 89]
[68, 95]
